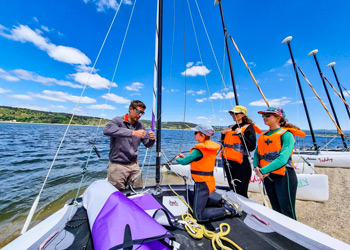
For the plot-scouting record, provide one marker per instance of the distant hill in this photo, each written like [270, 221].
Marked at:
[11, 114]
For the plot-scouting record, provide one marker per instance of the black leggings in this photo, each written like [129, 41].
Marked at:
[241, 172]
[282, 191]
[206, 206]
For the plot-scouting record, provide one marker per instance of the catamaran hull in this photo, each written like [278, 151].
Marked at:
[337, 159]
[258, 227]
[312, 187]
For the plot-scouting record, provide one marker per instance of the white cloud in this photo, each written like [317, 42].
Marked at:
[196, 70]
[5, 75]
[101, 106]
[200, 92]
[2, 91]
[346, 93]
[135, 94]
[202, 117]
[251, 64]
[221, 96]
[116, 98]
[288, 62]
[22, 97]
[189, 64]
[201, 100]
[59, 96]
[58, 107]
[135, 86]
[32, 76]
[272, 70]
[84, 68]
[95, 81]
[27, 106]
[23, 33]
[273, 102]
[45, 28]
[216, 95]
[103, 5]
[193, 92]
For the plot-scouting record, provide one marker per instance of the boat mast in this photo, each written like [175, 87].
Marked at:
[287, 40]
[336, 78]
[159, 92]
[313, 53]
[228, 50]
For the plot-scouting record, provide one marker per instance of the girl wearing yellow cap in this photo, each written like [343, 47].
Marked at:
[238, 140]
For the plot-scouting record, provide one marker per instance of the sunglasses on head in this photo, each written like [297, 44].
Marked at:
[139, 112]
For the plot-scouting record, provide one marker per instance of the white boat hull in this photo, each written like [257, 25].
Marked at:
[312, 187]
[291, 229]
[324, 158]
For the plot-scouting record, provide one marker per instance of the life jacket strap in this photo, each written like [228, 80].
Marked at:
[202, 173]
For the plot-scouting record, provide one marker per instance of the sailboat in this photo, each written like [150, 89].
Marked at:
[319, 157]
[105, 218]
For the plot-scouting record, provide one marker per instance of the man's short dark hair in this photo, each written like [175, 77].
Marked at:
[136, 103]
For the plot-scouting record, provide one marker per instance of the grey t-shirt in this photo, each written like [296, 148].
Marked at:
[123, 146]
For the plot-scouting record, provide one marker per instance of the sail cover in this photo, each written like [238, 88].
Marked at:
[117, 222]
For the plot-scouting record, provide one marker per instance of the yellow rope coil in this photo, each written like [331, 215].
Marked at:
[197, 231]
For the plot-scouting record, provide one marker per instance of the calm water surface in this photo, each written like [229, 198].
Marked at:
[26, 154]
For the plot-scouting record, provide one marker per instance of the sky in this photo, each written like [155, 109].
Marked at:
[49, 51]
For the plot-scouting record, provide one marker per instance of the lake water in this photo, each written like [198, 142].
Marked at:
[26, 154]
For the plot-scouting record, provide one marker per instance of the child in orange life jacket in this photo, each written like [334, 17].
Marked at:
[202, 159]
[273, 159]
[237, 140]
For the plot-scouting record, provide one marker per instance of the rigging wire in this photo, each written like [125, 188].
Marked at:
[318, 97]
[106, 98]
[216, 61]
[200, 56]
[345, 90]
[185, 62]
[35, 203]
[250, 160]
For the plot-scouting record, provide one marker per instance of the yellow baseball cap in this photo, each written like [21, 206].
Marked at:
[239, 109]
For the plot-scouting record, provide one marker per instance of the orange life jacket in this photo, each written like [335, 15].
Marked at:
[269, 148]
[234, 149]
[203, 170]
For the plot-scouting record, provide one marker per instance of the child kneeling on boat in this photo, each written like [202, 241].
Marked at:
[207, 205]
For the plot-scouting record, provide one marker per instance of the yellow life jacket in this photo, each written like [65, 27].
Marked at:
[269, 148]
[203, 170]
[234, 149]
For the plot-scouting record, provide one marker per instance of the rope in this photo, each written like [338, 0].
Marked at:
[197, 231]
[324, 106]
[336, 92]
[250, 72]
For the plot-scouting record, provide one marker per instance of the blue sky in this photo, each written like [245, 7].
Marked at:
[48, 49]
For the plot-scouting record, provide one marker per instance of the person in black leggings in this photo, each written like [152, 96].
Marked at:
[237, 139]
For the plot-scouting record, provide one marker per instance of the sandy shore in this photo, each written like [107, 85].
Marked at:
[330, 217]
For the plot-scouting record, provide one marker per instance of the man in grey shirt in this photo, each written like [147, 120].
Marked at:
[126, 134]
